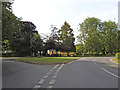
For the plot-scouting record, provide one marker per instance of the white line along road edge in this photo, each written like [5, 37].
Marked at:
[113, 61]
[110, 73]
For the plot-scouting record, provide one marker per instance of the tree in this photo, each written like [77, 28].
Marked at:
[52, 39]
[98, 37]
[27, 32]
[36, 43]
[66, 37]
[109, 37]
[11, 26]
[89, 35]
[79, 49]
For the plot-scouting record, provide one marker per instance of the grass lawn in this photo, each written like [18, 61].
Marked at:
[47, 60]
[116, 60]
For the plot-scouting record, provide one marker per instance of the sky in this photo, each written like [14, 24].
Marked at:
[44, 13]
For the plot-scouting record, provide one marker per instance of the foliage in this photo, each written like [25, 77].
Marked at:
[66, 37]
[109, 37]
[11, 26]
[36, 43]
[17, 35]
[97, 37]
[5, 45]
[79, 49]
[117, 55]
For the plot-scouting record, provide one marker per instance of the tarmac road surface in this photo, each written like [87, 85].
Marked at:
[87, 72]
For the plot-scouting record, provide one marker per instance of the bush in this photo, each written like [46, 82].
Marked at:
[117, 55]
[7, 54]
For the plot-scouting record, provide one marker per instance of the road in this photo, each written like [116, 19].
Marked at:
[87, 72]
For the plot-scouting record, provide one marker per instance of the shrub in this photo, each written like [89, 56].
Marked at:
[117, 55]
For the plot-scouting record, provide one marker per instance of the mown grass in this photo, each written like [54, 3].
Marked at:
[116, 60]
[47, 60]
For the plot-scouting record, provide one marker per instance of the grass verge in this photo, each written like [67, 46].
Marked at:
[116, 60]
[47, 60]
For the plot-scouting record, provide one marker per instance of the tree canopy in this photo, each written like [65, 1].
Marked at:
[98, 37]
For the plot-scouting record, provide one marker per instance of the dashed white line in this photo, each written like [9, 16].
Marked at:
[50, 87]
[52, 81]
[56, 73]
[54, 76]
[45, 76]
[37, 86]
[58, 70]
[41, 81]
[48, 73]
[110, 73]
[55, 66]
[61, 67]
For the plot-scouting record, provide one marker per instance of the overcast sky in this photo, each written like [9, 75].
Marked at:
[44, 13]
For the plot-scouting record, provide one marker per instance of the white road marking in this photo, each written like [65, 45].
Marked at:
[76, 60]
[107, 71]
[50, 87]
[48, 73]
[37, 86]
[110, 73]
[56, 73]
[70, 63]
[61, 67]
[52, 81]
[45, 76]
[55, 66]
[58, 70]
[41, 81]
[113, 61]
[54, 76]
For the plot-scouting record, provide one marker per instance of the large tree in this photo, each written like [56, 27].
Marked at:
[98, 37]
[66, 37]
[27, 32]
[109, 37]
[89, 35]
[36, 43]
[11, 26]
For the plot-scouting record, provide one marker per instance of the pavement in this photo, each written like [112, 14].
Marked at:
[87, 72]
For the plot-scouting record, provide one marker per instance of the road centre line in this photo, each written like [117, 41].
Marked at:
[36, 86]
[52, 81]
[45, 76]
[54, 76]
[40, 83]
[55, 66]
[49, 86]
